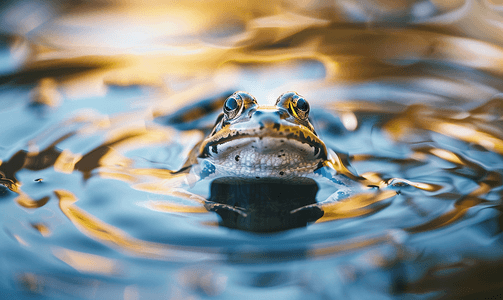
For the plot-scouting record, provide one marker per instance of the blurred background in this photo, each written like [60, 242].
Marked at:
[100, 100]
[80, 48]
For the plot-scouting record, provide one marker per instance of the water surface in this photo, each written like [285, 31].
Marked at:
[101, 103]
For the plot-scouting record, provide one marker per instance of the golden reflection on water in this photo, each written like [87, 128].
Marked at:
[65, 163]
[322, 250]
[46, 93]
[96, 229]
[167, 207]
[447, 155]
[42, 228]
[421, 117]
[191, 41]
[88, 263]
[25, 201]
[355, 206]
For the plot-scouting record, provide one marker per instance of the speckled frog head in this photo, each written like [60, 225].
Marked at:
[251, 140]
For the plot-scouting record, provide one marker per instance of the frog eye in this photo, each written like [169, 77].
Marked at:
[299, 108]
[231, 107]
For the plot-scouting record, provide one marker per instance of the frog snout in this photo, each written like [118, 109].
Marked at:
[268, 119]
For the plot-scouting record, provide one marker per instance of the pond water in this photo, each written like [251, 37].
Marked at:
[102, 103]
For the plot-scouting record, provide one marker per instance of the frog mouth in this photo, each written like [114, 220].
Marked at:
[265, 142]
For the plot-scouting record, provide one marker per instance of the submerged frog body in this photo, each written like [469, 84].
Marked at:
[255, 141]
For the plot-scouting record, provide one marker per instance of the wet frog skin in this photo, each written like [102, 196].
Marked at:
[255, 141]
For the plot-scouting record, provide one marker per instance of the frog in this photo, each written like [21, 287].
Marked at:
[277, 141]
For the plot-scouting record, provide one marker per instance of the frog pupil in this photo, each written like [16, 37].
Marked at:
[302, 105]
[231, 104]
